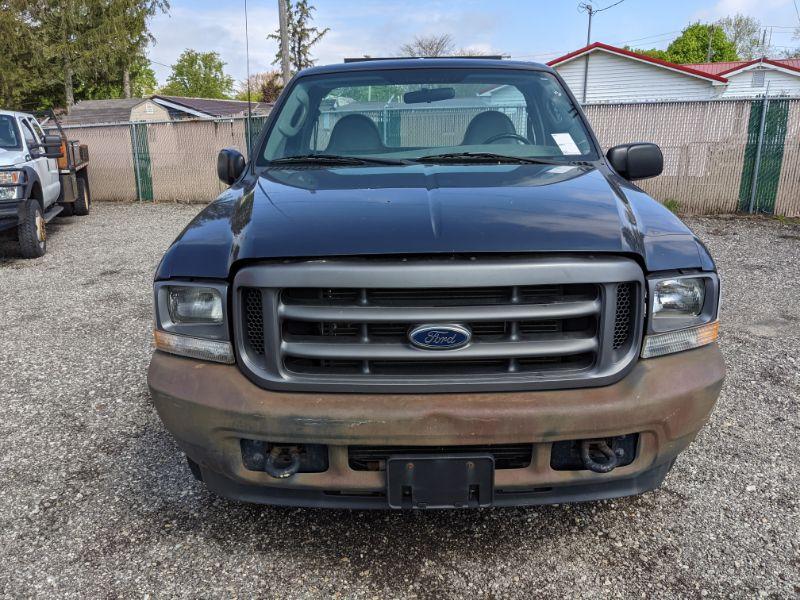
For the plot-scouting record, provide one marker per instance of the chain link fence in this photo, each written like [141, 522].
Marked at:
[719, 156]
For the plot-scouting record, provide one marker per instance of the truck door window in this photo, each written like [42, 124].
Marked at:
[37, 129]
[30, 137]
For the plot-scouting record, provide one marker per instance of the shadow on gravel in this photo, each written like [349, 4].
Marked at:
[9, 250]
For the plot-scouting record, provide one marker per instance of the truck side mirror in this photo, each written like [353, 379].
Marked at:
[636, 161]
[52, 147]
[230, 165]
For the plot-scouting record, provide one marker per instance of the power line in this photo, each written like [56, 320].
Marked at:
[609, 6]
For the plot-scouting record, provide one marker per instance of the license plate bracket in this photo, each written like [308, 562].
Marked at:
[440, 481]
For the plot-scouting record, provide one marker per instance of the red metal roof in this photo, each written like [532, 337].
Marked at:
[724, 68]
[627, 53]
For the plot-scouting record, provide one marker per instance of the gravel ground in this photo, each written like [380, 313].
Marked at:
[96, 500]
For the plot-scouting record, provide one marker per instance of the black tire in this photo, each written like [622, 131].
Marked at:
[84, 200]
[67, 210]
[31, 232]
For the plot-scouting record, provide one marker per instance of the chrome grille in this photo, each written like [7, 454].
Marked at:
[527, 333]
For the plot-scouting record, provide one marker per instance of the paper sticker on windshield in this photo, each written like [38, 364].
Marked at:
[566, 143]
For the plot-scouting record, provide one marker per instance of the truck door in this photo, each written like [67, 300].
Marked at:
[46, 168]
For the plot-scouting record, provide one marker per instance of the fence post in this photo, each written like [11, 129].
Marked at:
[762, 126]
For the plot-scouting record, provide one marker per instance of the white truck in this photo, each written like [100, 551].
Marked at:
[41, 176]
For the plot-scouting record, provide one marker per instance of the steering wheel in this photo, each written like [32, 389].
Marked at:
[511, 136]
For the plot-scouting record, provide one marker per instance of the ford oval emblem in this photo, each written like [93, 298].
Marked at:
[440, 337]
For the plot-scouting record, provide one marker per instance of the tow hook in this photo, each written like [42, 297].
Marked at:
[611, 455]
[274, 457]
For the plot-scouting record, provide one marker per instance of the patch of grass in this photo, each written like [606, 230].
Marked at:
[783, 220]
[672, 205]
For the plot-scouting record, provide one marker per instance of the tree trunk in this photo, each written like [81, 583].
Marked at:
[68, 92]
[126, 82]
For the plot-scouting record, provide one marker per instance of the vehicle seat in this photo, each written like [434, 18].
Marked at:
[486, 125]
[354, 134]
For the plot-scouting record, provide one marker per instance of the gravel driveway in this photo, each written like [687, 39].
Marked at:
[96, 501]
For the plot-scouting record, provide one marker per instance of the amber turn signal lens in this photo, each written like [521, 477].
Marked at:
[660, 344]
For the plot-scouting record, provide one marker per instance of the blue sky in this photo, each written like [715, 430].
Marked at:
[528, 29]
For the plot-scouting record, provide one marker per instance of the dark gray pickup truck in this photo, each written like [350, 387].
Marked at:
[428, 288]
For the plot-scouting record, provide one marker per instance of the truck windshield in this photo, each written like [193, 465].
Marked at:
[9, 139]
[427, 115]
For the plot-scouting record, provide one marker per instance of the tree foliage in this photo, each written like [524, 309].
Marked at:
[264, 87]
[691, 46]
[199, 75]
[69, 50]
[744, 32]
[302, 35]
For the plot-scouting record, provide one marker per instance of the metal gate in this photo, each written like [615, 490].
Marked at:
[142, 165]
[763, 156]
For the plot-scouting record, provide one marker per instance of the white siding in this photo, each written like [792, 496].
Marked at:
[614, 78]
[740, 84]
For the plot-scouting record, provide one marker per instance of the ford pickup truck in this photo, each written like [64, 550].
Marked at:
[428, 287]
[41, 177]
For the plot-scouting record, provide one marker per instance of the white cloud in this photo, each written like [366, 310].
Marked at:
[355, 29]
[760, 9]
[219, 30]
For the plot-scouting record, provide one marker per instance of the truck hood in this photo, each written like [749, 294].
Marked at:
[9, 158]
[419, 209]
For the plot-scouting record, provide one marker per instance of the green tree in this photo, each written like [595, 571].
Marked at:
[199, 75]
[691, 46]
[652, 53]
[83, 47]
[19, 82]
[127, 23]
[744, 32]
[302, 36]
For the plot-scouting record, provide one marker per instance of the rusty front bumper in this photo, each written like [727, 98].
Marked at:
[210, 407]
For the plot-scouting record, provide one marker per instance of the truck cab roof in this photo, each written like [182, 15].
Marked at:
[423, 63]
[15, 114]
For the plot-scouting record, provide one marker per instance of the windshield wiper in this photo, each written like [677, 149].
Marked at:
[488, 157]
[334, 159]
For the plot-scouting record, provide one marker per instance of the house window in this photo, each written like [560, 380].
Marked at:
[758, 78]
[149, 109]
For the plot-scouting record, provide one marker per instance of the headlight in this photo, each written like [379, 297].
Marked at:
[191, 320]
[194, 305]
[678, 297]
[11, 182]
[11, 177]
[682, 313]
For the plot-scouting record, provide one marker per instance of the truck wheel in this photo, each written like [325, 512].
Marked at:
[84, 199]
[67, 210]
[32, 231]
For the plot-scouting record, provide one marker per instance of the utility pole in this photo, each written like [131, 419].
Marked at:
[710, 37]
[284, 23]
[588, 8]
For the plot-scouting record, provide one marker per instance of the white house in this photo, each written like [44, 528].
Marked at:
[750, 78]
[614, 74]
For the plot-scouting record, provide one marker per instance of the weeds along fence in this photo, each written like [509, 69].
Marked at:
[719, 156]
